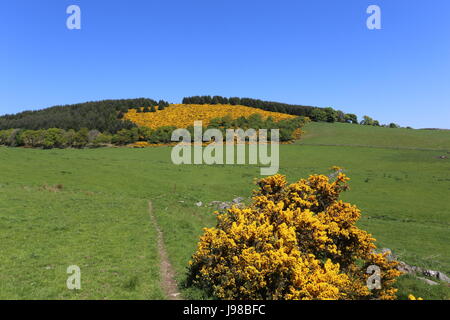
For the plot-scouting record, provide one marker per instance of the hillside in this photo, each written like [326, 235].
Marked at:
[142, 126]
[106, 116]
[182, 115]
[79, 197]
[99, 115]
[343, 134]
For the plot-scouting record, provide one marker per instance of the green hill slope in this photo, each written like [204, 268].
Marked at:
[89, 207]
[343, 134]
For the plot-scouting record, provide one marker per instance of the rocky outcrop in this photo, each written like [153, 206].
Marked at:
[428, 281]
[224, 205]
[417, 271]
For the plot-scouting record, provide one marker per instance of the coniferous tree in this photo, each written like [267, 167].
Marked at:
[103, 116]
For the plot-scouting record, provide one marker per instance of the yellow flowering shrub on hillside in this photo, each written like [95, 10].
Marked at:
[411, 297]
[295, 241]
[183, 116]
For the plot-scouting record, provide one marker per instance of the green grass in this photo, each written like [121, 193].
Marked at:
[322, 133]
[99, 219]
[409, 284]
[90, 222]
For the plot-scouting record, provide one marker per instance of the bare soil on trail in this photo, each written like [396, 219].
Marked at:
[168, 283]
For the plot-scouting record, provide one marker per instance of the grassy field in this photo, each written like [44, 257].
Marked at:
[343, 134]
[89, 208]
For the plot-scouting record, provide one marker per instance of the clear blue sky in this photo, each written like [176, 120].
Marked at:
[314, 52]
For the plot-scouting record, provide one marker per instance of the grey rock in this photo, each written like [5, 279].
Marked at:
[428, 281]
[219, 205]
[436, 274]
[405, 268]
[224, 205]
[443, 277]
[238, 200]
[416, 269]
[430, 273]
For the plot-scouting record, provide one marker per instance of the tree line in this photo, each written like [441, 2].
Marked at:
[162, 104]
[85, 138]
[104, 116]
[314, 113]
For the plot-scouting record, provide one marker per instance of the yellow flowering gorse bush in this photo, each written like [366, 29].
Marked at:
[411, 297]
[183, 115]
[295, 241]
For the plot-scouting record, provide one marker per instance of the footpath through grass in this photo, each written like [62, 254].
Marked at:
[97, 218]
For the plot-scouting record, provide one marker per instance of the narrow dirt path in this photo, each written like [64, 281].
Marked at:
[168, 283]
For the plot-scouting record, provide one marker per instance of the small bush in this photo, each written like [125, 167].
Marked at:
[162, 135]
[125, 136]
[295, 241]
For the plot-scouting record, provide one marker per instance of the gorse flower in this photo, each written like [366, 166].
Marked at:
[295, 241]
[160, 124]
[183, 116]
[411, 297]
